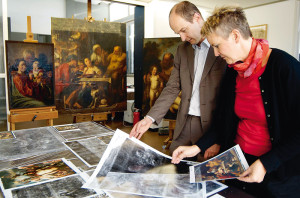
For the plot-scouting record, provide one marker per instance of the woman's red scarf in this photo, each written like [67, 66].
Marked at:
[253, 63]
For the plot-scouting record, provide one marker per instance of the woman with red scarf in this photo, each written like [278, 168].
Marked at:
[258, 108]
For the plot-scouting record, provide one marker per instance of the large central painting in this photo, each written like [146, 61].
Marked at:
[158, 64]
[90, 65]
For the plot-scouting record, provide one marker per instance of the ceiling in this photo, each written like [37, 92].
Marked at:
[209, 4]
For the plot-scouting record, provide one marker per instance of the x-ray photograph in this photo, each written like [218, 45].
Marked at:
[128, 165]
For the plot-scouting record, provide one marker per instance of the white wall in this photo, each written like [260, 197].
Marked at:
[282, 19]
[157, 19]
[40, 11]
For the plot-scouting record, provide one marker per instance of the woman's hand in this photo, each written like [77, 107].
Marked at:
[255, 173]
[212, 151]
[183, 152]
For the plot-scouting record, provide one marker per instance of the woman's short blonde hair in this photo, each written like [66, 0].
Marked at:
[226, 19]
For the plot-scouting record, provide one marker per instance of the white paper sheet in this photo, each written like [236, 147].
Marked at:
[130, 166]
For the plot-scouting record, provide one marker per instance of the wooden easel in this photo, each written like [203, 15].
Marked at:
[29, 34]
[31, 114]
[89, 17]
[85, 117]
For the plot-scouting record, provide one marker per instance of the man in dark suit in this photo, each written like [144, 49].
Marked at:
[197, 73]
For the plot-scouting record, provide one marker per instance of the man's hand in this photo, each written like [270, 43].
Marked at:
[183, 152]
[212, 151]
[255, 173]
[140, 128]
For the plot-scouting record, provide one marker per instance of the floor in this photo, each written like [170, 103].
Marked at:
[152, 138]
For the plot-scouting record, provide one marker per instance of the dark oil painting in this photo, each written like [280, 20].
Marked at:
[90, 65]
[158, 63]
[30, 74]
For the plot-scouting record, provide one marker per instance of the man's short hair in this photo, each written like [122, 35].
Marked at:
[186, 10]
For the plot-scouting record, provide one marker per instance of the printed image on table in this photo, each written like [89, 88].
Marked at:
[32, 174]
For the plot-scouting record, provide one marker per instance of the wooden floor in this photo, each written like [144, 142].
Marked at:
[151, 138]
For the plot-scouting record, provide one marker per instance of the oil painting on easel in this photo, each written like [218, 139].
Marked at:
[29, 74]
[90, 65]
[158, 64]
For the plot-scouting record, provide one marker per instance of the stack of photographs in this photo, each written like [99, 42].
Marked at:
[62, 164]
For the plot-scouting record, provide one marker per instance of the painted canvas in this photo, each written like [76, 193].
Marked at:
[90, 65]
[30, 74]
[158, 63]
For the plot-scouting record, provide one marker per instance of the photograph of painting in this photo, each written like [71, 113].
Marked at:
[30, 76]
[213, 187]
[154, 185]
[25, 144]
[227, 165]
[259, 31]
[106, 139]
[158, 63]
[85, 130]
[65, 187]
[90, 65]
[33, 174]
[128, 165]
[89, 150]
[66, 127]
[6, 135]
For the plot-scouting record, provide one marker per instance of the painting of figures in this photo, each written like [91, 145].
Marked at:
[30, 74]
[6, 135]
[90, 65]
[158, 63]
[35, 173]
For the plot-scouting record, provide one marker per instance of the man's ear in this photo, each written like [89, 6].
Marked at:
[197, 16]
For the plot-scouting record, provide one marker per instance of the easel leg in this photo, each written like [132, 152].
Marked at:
[12, 126]
[50, 122]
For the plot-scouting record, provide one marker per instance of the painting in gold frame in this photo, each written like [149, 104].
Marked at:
[259, 31]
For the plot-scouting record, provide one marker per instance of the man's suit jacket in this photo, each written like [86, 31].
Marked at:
[181, 79]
